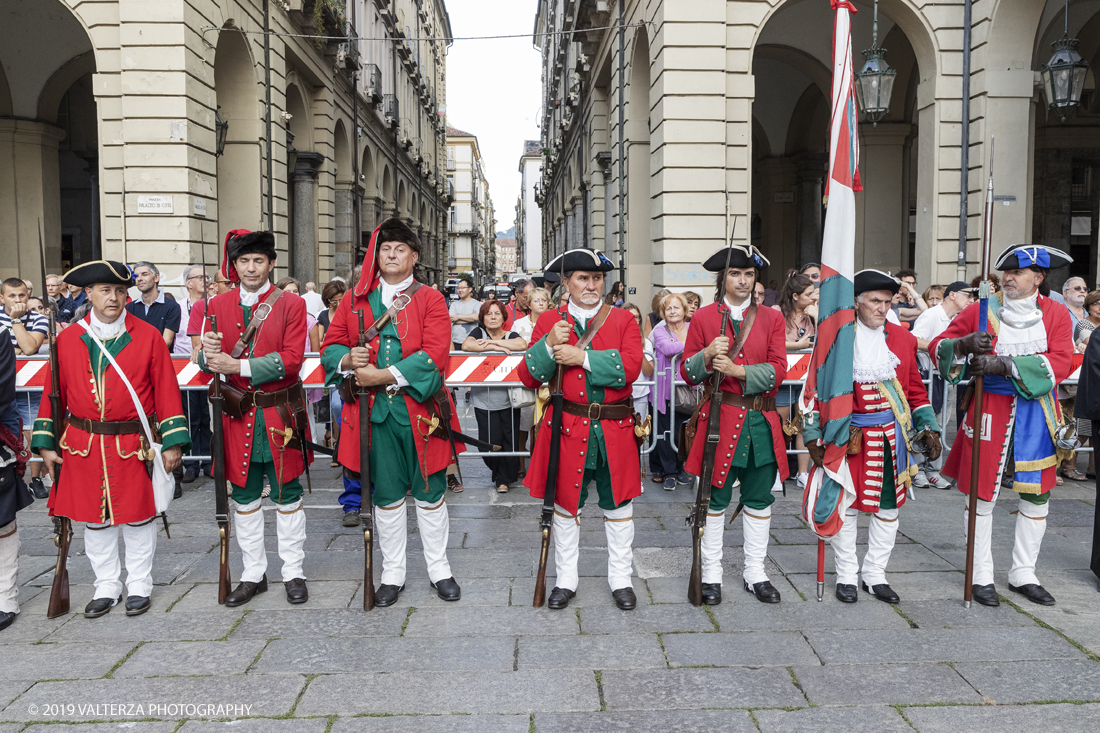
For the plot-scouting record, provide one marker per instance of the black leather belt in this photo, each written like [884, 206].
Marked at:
[122, 427]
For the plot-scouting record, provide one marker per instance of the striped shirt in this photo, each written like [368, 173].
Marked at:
[32, 322]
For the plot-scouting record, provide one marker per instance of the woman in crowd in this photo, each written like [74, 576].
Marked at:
[497, 420]
[693, 301]
[796, 298]
[641, 391]
[1081, 335]
[933, 295]
[654, 317]
[615, 297]
[812, 270]
[538, 300]
[668, 343]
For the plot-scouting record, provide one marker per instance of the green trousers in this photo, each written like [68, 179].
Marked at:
[395, 467]
[289, 493]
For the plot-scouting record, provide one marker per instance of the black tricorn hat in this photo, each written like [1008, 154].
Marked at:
[869, 280]
[581, 259]
[740, 256]
[253, 243]
[395, 230]
[100, 271]
[1023, 256]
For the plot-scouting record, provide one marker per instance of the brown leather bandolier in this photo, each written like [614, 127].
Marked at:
[347, 386]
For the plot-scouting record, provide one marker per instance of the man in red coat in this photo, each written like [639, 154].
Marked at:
[751, 448]
[1024, 353]
[889, 408]
[597, 421]
[258, 347]
[105, 482]
[403, 366]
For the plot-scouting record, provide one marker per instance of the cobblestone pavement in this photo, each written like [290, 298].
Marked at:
[490, 663]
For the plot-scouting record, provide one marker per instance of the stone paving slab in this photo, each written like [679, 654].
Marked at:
[658, 618]
[1047, 718]
[167, 568]
[922, 586]
[939, 645]
[701, 721]
[694, 689]
[1022, 682]
[168, 698]
[305, 623]
[30, 627]
[10, 690]
[754, 649]
[673, 590]
[131, 727]
[252, 725]
[591, 591]
[675, 562]
[952, 614]
[904, 558]
[419, 593]
[79, 595]
[117, 626]
[491, 621]
[322, 594]
[864, 719]
[434, 724]
[885, 684]
[404, 693]
[189, 658]
[353, 656]
[793, 614]
[591, 651]
[61, 661]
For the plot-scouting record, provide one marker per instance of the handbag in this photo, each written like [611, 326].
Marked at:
[521, 397]
[164, 486]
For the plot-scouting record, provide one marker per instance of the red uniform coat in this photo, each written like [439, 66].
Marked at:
[620, 333]
[284, 333]
[766, 344]
[998, 408]
[424, 327]
[867, 467]
[103, 478]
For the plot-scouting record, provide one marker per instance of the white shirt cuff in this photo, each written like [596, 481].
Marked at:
[587, 364]
[401, 381]
[246, 369]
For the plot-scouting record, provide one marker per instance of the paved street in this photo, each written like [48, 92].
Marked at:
[492, 663]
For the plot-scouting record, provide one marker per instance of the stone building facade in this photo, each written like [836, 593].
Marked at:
[528, 217]
[109, 131]
[505, 258]
[472, 223]
[711, 116]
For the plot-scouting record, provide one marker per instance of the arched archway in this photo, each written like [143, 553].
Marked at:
[240, 187]
[347, 190]
[640, 254]
[401, 209]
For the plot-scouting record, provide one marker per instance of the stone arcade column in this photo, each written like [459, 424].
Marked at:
[29, 193]
[880, 211]
[811, 174]
[304, 227]
[345, 225]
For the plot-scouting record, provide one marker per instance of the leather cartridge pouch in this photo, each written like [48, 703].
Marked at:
[236, 402]
[855, 440]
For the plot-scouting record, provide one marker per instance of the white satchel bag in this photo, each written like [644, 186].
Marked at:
[164, 486]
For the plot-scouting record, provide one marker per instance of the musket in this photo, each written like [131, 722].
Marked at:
[63, 526]
[546, 520]
[698, 518]
[217, 455]
[364, 478]
[984, 289]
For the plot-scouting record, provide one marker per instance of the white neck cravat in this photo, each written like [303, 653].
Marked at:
[873, 361]
[251, 299]
[1012, 341]
[737, 312]
[389, 292]
[107, 330]
[581, 315]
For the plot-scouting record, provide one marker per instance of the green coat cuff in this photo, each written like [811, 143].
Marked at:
[422, 374]
[607, 368]
[540, 364]
[331, 357]
[267, 368]
[811, 425]
[42, 435]
[173, 432]
[945, 359]
[759, 378]
[924, 418]
[1035, 379]
[696, 368]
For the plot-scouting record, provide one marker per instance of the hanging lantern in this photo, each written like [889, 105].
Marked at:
[221, 130]
[1064, 75]
[875, 82]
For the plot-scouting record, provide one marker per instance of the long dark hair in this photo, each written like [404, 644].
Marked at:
[720, 277]
[796, 284]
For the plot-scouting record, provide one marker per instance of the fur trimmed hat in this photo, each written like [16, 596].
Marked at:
[395, 230]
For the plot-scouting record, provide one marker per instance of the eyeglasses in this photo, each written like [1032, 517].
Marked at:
[198, 277]
[1080, 287]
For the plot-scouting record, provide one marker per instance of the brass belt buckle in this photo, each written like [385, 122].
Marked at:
[758, 403]
[599, 411]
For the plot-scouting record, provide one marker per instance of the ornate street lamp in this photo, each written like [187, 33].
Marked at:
[1064, 74]
[875, 82]
[221, 130]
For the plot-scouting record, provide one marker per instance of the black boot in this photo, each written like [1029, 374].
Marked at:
[386, 595]
[625, 598]
[243, 593]
[560, 597]
[985, 594]
[712, 593]
[296, 591]
[448, 589]
[137, 605]
[846, 593]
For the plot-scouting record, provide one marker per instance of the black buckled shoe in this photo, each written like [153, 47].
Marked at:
[448, 589]
[137, 605]
[765, 592]
[6, 619]
[846, 593]
[560, 597]
[100, 607]
[712, 593]
[296, 591]
[243, 593]
[985, 595]
[1034, 593]
[625, 598]
[386, 595]
[883, 592]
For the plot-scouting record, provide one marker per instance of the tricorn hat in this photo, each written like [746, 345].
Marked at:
[100, 271]
[739, 255]
[581, 259]
[869, 280]
[1023, 256]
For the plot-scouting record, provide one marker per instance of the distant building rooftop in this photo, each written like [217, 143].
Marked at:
[530, 147]
[455, 132]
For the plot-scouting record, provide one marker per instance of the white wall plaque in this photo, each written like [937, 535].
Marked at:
[198, 206]
[154, 204]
